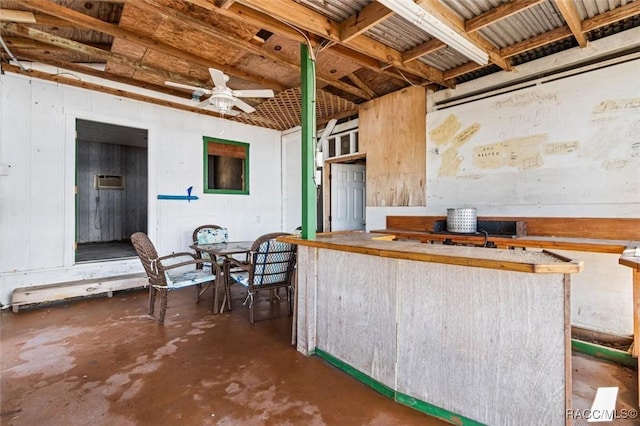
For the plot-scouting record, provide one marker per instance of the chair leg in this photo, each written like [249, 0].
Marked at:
[152, 299]
[227, 290]
[250, 300]
[163, 305]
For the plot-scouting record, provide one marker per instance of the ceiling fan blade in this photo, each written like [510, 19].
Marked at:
[203, 104]
[218, 77]
[244, 106]
[187, 87]
[331, 124]
[259, 93]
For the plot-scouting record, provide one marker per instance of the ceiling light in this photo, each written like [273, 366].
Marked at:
[222, 102]
[422, 19]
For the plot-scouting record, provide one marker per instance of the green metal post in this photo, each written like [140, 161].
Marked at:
[308, 100]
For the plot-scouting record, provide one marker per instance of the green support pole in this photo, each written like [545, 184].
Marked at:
[308, 100]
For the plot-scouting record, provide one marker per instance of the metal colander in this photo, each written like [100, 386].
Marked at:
[462, 220]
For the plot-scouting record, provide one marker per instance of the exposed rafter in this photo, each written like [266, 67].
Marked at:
[20, 16]
[571, 16]
[143, 43]
[369, 16]
[614, 15]
[159, 7]
[84, 21]
[499, 13]
[41, 36]
[457, 23]
[307, 20]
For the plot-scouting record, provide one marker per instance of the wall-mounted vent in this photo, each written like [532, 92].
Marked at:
[108, 182]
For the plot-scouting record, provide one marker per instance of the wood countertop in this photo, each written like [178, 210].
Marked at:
[631, 258]
[383, 245]
[564, 243]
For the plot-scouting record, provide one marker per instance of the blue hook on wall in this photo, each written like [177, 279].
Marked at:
[187, 197]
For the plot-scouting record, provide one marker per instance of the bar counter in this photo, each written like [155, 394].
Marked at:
[471, 335]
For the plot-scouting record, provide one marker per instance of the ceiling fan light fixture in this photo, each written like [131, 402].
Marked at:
[222, 102]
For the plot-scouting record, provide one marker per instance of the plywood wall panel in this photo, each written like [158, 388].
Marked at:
[362, 303]
[47, 176]
[485, 341]
[392, 132]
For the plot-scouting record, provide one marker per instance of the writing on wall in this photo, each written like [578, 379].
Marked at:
[548, 144]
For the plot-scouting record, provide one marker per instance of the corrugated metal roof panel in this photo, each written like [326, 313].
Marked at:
[337, 10]
[590, 8]
[526, 24]
[398, 34]
[444, 59]
[468, 9]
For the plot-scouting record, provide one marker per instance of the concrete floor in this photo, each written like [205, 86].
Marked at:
[105, 362]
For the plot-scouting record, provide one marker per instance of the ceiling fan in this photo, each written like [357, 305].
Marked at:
[223, 98]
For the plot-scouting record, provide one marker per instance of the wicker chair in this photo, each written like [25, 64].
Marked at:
[158, 272]
[208, 234]
[270, 266]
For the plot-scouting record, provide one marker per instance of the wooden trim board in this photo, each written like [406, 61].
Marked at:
[568, 227]
[24, 296]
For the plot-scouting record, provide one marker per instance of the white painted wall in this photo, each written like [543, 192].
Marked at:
[292, 179]
[578, 184]
[37, 140]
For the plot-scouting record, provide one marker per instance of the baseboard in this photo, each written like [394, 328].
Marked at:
[416, 404]
[35, 295]
[602, 352]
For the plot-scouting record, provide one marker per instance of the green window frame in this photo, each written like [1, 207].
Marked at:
[226, 166]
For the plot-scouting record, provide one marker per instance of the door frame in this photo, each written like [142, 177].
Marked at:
[326, 183]
[70, 117]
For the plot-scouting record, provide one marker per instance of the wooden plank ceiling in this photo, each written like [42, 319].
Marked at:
[363, 50]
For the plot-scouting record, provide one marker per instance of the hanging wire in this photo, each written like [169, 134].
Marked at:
[6, 49]
[97, 223]
[67, 73]
[311, 52]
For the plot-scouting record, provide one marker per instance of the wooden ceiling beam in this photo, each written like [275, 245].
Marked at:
[47, 20]
[369, 63]
[21, 16]
[571, 16]
[462, 69]
[498, 13]
[452, 20]
[85, 21]
[44, 20]
[21, 43]
[83, 69]
[253, 17]
[226, 4]
[609, 17]
[47, 38]
[308, 20]
[61, 79]
[361, 84]
[535, 42]
[614, 15]
[258, 19]
[158, 7]
[423, 49]
[370, 15]
[24, 43]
